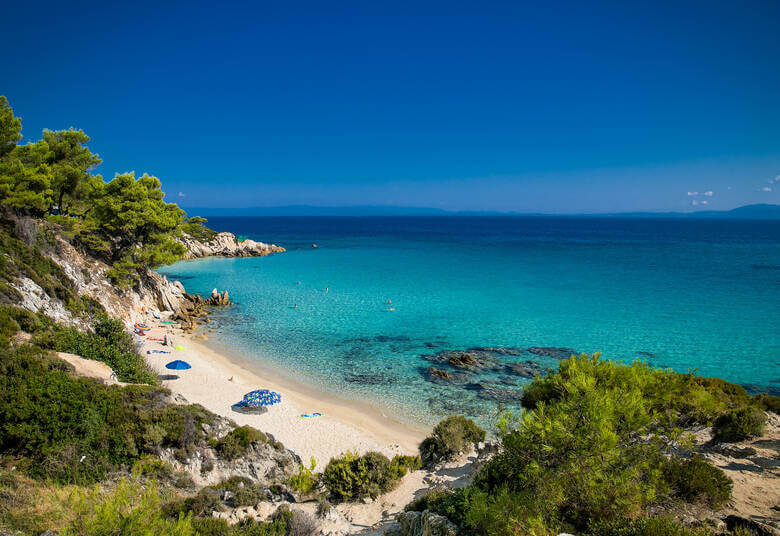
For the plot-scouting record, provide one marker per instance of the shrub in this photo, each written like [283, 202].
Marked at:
[108, 342]
[305, 481]
[451, 436]
[695, 480]
[768, 402]
[152, 467]
[301, 524]
[648, 526]
[131, 508]
[352, 477]
[402, 464]
[738, 425]
[236, 442]
[77, 430]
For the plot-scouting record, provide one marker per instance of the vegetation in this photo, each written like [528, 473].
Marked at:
[739, 424]
[236, 442]
[696, 481]
[352, 477]
[305, 481]
[593, 449]
[107, 341]
[648, 526]
[124, 221]
[77, 430]
[452, 435]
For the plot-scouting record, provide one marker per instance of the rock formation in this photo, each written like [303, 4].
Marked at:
[226, 245]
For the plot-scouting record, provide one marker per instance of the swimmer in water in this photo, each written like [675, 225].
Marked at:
[389, 302]
[297, 282]
[326, 289]
[295, 306]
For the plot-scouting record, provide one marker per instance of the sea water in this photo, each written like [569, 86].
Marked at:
[364, 314]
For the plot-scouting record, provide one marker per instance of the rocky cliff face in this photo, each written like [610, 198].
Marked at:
[154, 293]
[227, 245]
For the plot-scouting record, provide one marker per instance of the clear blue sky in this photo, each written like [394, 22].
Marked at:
[542, 106]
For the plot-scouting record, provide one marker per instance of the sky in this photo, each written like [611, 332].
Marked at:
[559, 107]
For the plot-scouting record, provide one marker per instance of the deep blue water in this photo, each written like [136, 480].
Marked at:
[685, 294]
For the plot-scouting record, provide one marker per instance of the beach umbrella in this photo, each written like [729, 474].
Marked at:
[178, 365]
[262, 397]
[142, 327]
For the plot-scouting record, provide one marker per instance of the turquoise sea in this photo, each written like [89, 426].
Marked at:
[685, 294]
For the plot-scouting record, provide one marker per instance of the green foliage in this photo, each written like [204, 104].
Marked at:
[592, 449]
[671, 398]
[768, 402]
[739, 424]
[124, 221]
[649, 526]
[195, 228]
[697, 481]
[10, 127]
[77, 430]
[152, 467]
[107, 342]
[452, 435]
[236, 442]
[352, 477]
[131, 510]
[305, 481]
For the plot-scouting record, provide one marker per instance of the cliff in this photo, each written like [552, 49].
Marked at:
[76, 274]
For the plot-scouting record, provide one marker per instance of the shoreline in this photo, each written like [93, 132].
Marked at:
[219, 379]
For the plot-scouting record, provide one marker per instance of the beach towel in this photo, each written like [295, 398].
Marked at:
[180, 347]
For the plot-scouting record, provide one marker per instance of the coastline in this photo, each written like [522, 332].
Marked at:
[218, 379]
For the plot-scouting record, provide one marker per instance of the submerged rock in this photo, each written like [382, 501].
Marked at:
[369, 379]
[469, 360]
[449, 406]
[553, 352]
[488, 391]
[527, 369]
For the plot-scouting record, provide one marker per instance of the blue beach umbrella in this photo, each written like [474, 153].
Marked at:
[261, 397]
[178, 365]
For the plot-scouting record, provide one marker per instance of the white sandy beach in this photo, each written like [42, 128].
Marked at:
[216, 382]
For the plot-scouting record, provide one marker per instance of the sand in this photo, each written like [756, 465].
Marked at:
[216, 382]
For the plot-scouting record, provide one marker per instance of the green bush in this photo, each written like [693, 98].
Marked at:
[236, 442]
[452, 435]
[648, 526]
[697, 481]
[108, 342]
[352, 477]
[76, 429]
[130, 510]
[152, 467]
[739, 424]
[768, 402]
[305, 481]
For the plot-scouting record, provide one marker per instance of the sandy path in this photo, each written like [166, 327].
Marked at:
[344, 425]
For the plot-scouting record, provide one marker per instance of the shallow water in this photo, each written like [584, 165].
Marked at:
[677, 293]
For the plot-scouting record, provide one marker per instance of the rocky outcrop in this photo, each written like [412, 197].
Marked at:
[264, 463]
[219, 298]
[424, 523]
[226, 245]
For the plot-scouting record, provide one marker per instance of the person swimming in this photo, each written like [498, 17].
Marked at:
[326, 289]
[295, 306]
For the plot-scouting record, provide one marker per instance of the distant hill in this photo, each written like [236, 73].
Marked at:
[747, 212]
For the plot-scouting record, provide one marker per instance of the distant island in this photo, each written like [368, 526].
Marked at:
[747, 212]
